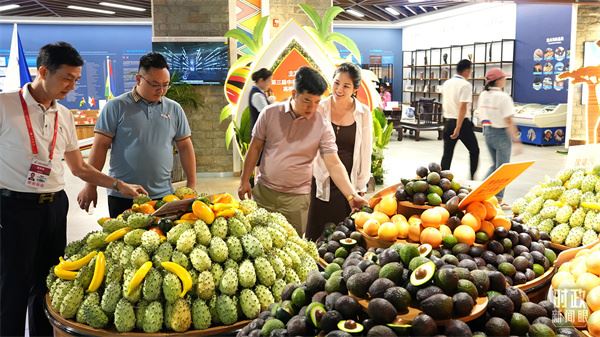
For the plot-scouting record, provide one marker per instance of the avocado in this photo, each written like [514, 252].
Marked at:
[545, 321]
[449, 241]
[341, 252]
[286, 294]
[448, 193]
[532, 311]
[400, 329]
[373, 271]
[315, 312]
[315, 282]
[349, 271]
[467, 287]
[463, 304]
[436, 190]
[422, 274]
[496, 326]
[392, 271]
[460, 248]
[381, 310]
[298, 326]
[517, 296]
[348, 243]
[422, 171]
[398, 297]
[549, 306]
[347, 306]
[438, 306]
[378, 288]
[433, 178]
[497, 281]
[550, 255]
[434, 199]
[468, 264]
[364, 264]
[335, 283]
[540, 330]
[380, 331]
[350, 326]
[481, 238]
[452, 205]
[319, 297]
[419, 199]
[283, 314]
[358, 284]
[417, 261]
[482, 281]
[387, 256]
[331, 299]
[519, 325]
[456, 328]
[408, 252]
[450, 259]
[330, 320]
[427, 292]
[423, 325]
[420, 186]
[447, 279]
[330, 269]
[270, 325]
[401, 194]
[299, 297]
[500, 306]
[425, 249]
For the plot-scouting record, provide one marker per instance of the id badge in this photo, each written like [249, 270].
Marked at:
[39, 173]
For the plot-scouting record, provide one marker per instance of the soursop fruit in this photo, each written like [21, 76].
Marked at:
[219, 228]
[588, 183]
[113, 249]
[248, 206]
[264, 271]
[571, 197]
[200, 260]
[186, 241]
[218, 249]
[574, 237]
[174, 233]
[84, 276]
[153, 317]
[291, 276]
[180, 318]
[535, 205]
[263, 235]
[95, 240]
[277, 289]
[235, 249]
[90, 299]
[205, 288]
[61, 290]
[217, 272]
[201, 317]
[140, 311]
[249, 303]
[590, 217]
[152, 285]
[553, 193]
[94, 316]
[180, 258]
[139, 256]
[277, 265]
[229, 282]
[247, 274]
[136, 294]
[577, 218]
[71, 302]
[534, 221]
[226, 309]
[546, 225]
[162, 254]
[559, 233]
[563, 214]
[589, 236]
[277, 237]
[252, 246]
[229, 264]
[124, 316]
[110, 297]
[171, 287]
[139, 220]
[565, 174]
[203, 234]
[519, 205]
[265, 297]
[112, 225]
[548, 212]
[236, 228]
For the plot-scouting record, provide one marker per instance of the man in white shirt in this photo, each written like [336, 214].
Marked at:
[456, 101]
[36, 134]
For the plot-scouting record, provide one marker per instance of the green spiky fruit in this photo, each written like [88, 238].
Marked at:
[140, 311]
[574, 237]
[150, 241]
[571, 197]
[535, 205]
[564, 174]
[519, 205]
[546, 225]
[124, 316]
[217, 272]
[152, 285]
[236, 227]
[180, 318]
[139, 220]
[162, 254]
[71, 302]
[110, 297]
[559, 233]
[563, 214]
[252, 246]
[277, 265]
[577, 218]
[548, 212]
[264, 271]
[205, 287]
[265, 297]
[588, 183]
[200, 260]
[201, 317]
[219, 228]
[186, 241]
[218, 249]
[136, 294]
[134, 237]
[203, 234]
[235, 249]
[94, 316]
[247, 274]
[249, 303]
[226, 309]
[153, 317]
[180, 258]
[229, 282]
[139, 256]
[589, 236]
[95, 240]
[277, 289]
[175, 232]
[171, 287]
[263, 235]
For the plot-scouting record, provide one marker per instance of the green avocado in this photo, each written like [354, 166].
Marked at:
[350, 326]
[422, 274]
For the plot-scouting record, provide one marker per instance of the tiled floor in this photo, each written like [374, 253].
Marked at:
[401, 160]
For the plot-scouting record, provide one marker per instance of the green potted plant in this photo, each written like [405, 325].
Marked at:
[382, 133]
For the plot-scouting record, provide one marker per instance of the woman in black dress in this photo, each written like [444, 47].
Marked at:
[352, 125]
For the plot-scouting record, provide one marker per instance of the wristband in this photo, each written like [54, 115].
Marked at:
[350, 197]
[115, 185]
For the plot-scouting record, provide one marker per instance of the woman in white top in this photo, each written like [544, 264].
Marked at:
[496, 108]
[353, 127]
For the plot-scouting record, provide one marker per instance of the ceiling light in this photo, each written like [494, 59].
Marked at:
[131, 8]
[413, 1]
[392, 11]
[8, 7]
[87, 9]
[355, 13]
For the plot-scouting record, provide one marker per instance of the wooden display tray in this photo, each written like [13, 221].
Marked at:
[63, 327]
[542, 280]
[406, 318]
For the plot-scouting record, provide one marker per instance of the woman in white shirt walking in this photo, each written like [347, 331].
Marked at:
[353, 127]
[496, 108]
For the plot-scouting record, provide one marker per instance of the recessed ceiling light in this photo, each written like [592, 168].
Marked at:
[413, 1]
[131, 8]
[87, 9]
[355, 13]
[392, 11]
[9, 7]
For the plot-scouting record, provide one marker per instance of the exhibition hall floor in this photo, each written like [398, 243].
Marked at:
[401, 160]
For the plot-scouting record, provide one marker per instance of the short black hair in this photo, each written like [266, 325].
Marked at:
[54, 55]
[463, 65]
[153, 60]
[261, 74]
[308, 80]
[352, 70]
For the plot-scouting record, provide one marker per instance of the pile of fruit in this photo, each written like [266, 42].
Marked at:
[431, 187]
[221, 263]
[565, 206]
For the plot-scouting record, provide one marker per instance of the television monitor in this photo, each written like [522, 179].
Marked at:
[200, 63]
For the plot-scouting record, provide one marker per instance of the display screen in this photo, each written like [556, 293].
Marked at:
[201, 63]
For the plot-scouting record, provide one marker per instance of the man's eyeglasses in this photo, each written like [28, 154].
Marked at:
[156, 86]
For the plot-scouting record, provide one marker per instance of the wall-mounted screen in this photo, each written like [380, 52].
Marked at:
[200, 63]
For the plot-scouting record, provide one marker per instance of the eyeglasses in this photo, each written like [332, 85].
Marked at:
[157, 86]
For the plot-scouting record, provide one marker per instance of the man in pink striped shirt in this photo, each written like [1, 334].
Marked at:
[290, 134]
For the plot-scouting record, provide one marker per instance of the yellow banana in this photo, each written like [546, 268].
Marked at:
[64, 274]
[116, 235]
[182, 273]
[99, 269]
[77, 264]
[139, 275]
[226, 213]
[221, 206]
[591, 205]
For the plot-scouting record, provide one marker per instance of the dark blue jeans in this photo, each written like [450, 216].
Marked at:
[499, 144]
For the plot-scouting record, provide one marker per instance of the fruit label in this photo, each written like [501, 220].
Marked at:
[498, 180]
[586, 156]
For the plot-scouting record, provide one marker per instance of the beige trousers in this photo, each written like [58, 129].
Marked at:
[293, 206]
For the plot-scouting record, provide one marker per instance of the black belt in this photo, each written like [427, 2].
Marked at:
[41, 198]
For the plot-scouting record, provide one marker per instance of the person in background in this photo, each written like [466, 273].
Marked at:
[385, 93]
[290, 134]
[353, 127]
[259, 94]
[496, 108]
[456, 99]
[36, 134]
[141, 127]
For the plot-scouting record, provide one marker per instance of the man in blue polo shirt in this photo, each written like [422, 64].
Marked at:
[140, 127]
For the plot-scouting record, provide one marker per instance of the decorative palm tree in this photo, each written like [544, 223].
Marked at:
[183, 93]
[589, 76]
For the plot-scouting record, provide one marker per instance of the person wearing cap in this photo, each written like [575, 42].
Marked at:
[496, 108]
[36, 134]
[456, 102]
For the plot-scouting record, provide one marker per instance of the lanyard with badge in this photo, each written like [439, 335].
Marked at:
[39, 171]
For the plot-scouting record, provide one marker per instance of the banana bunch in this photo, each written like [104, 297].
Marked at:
[68, 270]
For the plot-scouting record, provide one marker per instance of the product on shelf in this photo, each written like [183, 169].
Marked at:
[222, 262]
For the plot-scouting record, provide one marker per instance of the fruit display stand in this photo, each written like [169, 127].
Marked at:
[63, 328]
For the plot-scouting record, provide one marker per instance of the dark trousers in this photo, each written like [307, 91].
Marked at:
[32, 237]
[117, 205]
[467, 137]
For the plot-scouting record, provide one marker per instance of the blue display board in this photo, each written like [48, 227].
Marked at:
[121, 45]
[543, 37]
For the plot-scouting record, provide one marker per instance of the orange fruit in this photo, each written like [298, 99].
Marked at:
[472, 221]
[402, 227]
[592, 262]
[593, 324]
[431, 236]
[431, 218]
[465, 234]
[593, 299]
[490, 210]
[488, 228]
[388, 231]
[371, 227]
[360, 218]
[587, 282]
[501, 221]
[388, 205]
[189, 216]
[170, 198]
[443, 212]
[445, 230]
[414, 219]
[399, 217]
[380, 217]
[414, 231]
[203, 212]
[562, 277]
[477, 209]
[377, 208]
